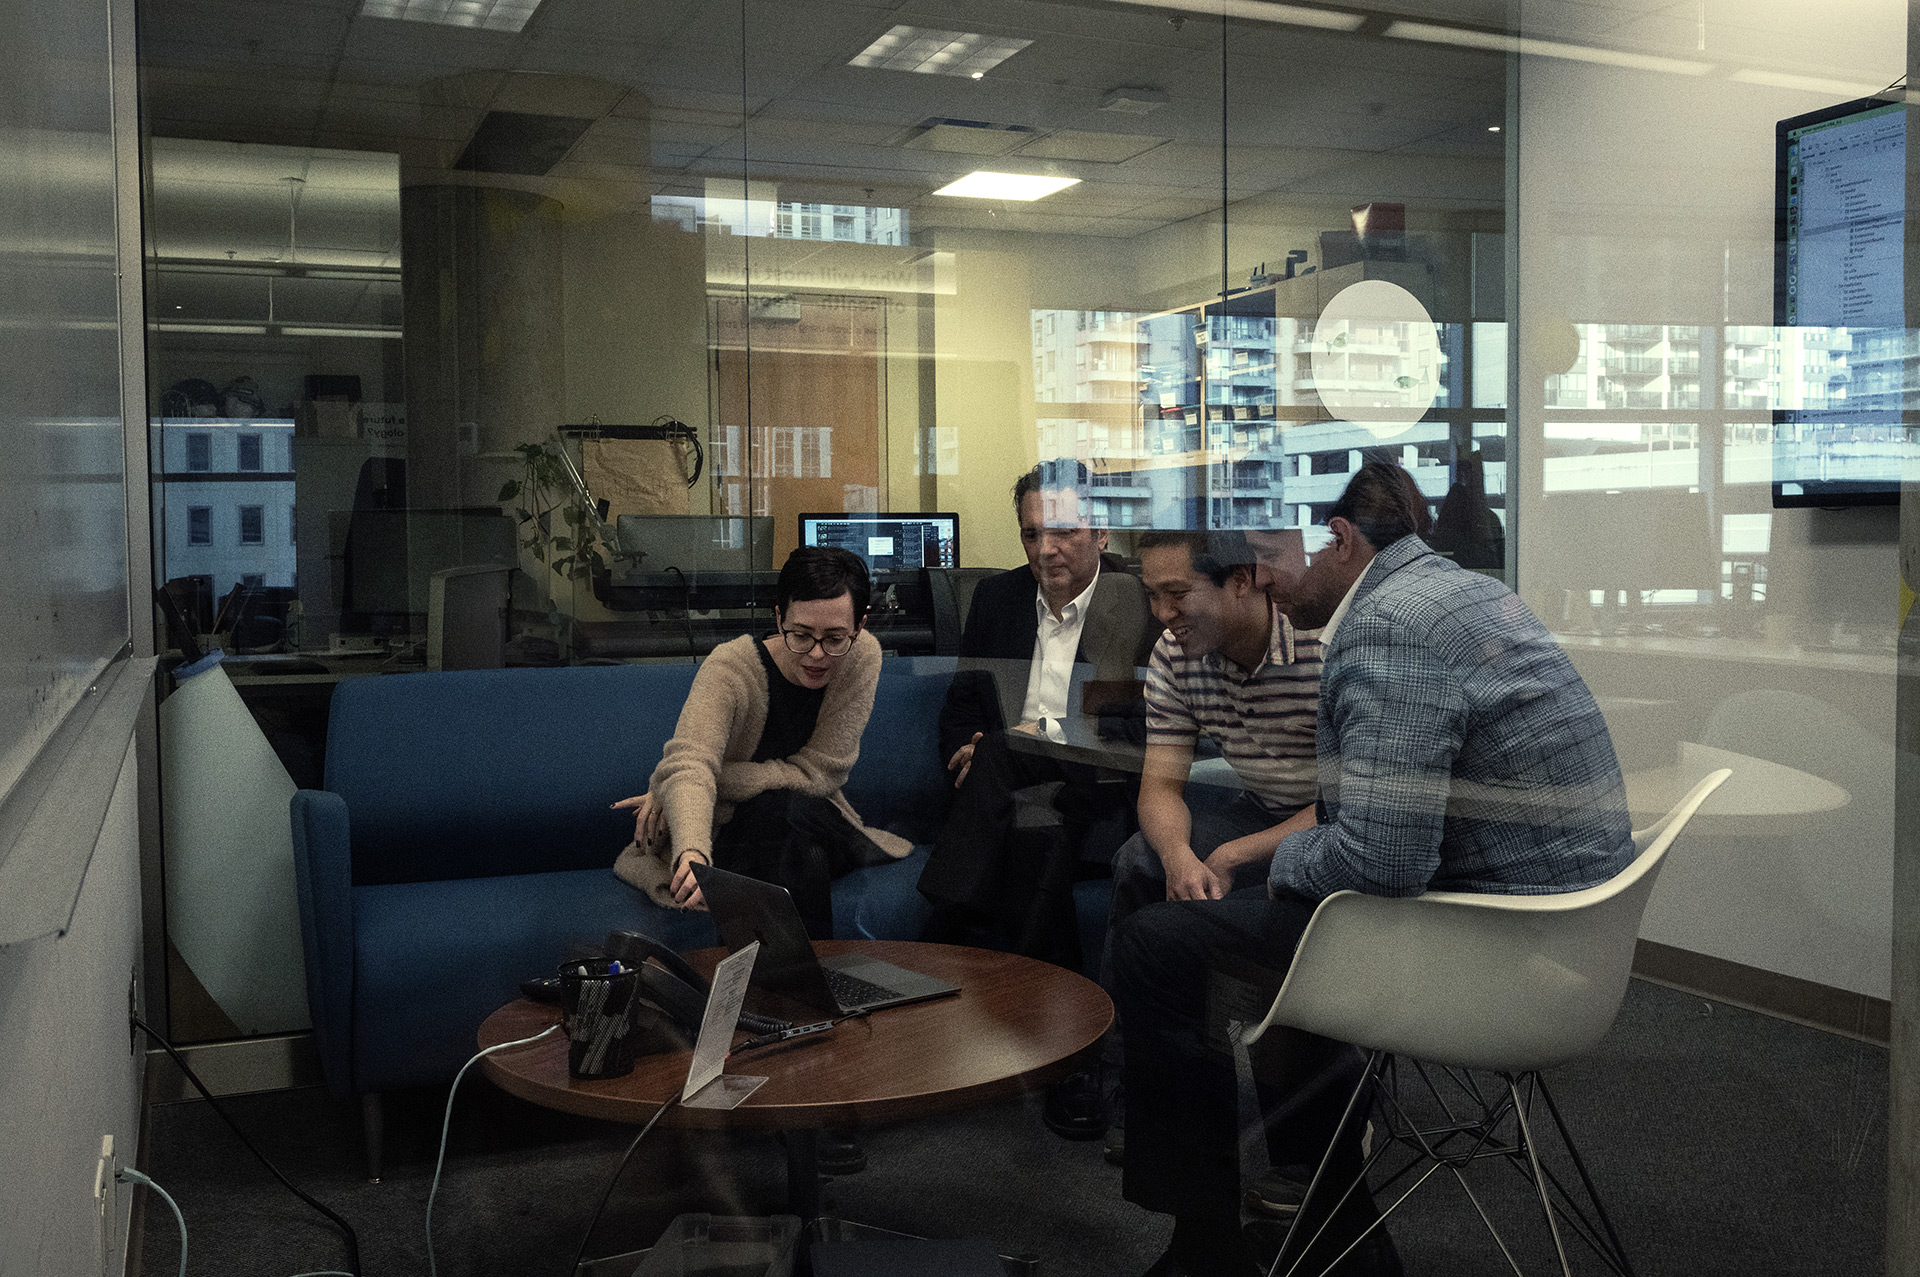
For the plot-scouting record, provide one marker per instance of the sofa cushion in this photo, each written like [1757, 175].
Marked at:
[434, 959]
[477, 773]
[900, 783]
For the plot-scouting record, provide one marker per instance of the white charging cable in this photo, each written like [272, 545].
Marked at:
[447, 1124]
[127, 1175]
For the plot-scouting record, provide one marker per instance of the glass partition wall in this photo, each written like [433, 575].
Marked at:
[485, 340]
[513, 335]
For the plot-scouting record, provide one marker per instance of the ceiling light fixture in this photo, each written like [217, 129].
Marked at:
[1812, 84]
[1493, 128]
[1006, 186]
[1293, 15]
[931, 52]
[1494, 40]
[483, 15]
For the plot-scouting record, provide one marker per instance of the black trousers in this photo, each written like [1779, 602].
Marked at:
[800, 842]
[1179, 970]
[980, 869]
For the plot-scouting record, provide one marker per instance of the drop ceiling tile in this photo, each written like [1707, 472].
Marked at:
[1176, 208]
[1098, 148]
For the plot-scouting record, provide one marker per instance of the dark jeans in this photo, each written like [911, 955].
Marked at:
[800, 842]
[1179, 969]
[1218, 815]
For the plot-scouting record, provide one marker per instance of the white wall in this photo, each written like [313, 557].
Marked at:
[1647, 198]
[68, 1070]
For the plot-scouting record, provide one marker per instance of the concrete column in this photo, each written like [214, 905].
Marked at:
[484, 333]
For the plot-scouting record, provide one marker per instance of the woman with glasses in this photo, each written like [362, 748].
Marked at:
[751, 779]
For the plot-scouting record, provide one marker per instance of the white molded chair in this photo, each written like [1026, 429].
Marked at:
[1507, 984]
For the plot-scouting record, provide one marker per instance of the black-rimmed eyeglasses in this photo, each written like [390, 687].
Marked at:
[799, 642]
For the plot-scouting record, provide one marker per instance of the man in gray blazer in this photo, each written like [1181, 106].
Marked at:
[1458, 750]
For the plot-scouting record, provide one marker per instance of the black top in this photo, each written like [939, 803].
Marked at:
[792, 711]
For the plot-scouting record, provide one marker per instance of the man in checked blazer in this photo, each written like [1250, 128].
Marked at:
[1458, 751]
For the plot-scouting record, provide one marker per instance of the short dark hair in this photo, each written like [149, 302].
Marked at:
[1061, 472]
[1215, 554]
[1384, 502]
[823, 572]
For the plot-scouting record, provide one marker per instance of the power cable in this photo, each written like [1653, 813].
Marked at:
[352, 1238]
[625, 1157]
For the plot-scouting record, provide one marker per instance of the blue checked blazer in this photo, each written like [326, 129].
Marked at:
[1458, 748]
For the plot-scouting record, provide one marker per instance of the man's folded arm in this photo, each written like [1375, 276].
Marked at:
[1397, 720]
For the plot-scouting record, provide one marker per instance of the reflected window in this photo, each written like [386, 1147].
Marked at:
[253, 525]
[249, 452]
[199, 451]
[199, 525]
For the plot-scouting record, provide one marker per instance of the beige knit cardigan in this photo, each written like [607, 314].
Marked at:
[707, 767]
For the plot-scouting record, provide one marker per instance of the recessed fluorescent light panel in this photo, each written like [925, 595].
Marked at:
[1470, 39]
[1006, 186]
[937, 52]
[483, 15]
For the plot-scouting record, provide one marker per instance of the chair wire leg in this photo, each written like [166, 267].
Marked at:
[1539, 1180]
[1368, 1075]
[1619, 1256]
[1454, 1162]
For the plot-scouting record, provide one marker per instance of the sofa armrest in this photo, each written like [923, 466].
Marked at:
[323, 880]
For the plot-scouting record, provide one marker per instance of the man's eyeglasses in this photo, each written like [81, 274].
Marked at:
[799, 642]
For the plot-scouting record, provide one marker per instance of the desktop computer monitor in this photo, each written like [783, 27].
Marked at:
[890, 543]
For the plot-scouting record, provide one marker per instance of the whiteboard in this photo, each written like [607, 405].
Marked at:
[63, 520]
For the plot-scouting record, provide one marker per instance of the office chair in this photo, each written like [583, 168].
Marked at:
[1433, 986]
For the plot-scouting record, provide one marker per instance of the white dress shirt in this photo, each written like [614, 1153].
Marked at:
[1055, 645]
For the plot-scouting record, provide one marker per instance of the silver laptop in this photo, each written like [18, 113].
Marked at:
[747, 909]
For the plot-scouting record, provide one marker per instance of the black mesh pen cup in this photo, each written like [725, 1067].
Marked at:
[597, 997]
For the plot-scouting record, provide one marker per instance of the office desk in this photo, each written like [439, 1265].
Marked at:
[1015, 1025]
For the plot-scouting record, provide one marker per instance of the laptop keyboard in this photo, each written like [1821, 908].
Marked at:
[851, 991]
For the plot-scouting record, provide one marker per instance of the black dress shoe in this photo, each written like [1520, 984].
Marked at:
[1074, 1108]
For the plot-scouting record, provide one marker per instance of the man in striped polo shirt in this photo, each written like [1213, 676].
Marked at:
[1232, 668]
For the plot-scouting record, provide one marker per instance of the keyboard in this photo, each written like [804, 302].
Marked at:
[851, 991]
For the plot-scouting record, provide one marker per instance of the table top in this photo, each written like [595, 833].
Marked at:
[1760, 799]
[1016, 1024]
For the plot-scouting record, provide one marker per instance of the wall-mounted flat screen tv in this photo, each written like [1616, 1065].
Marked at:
[1840, 346]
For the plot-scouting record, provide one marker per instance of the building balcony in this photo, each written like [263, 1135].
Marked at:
[1632, 365]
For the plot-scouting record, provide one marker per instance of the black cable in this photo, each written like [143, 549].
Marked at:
[353, 1239]
[680, 432]
[625, 1157]
[686, 611]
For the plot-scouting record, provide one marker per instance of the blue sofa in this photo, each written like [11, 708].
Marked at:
[464, 840]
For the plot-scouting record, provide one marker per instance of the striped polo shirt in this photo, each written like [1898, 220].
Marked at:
[1263, 720]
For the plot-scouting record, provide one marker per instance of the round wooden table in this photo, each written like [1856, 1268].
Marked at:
[1016, 1024]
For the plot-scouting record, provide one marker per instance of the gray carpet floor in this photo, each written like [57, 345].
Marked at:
[1725, 1142]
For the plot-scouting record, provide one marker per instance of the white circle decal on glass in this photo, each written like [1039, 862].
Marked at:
[1376, 357]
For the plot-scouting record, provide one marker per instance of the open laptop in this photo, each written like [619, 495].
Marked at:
[747, 909]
